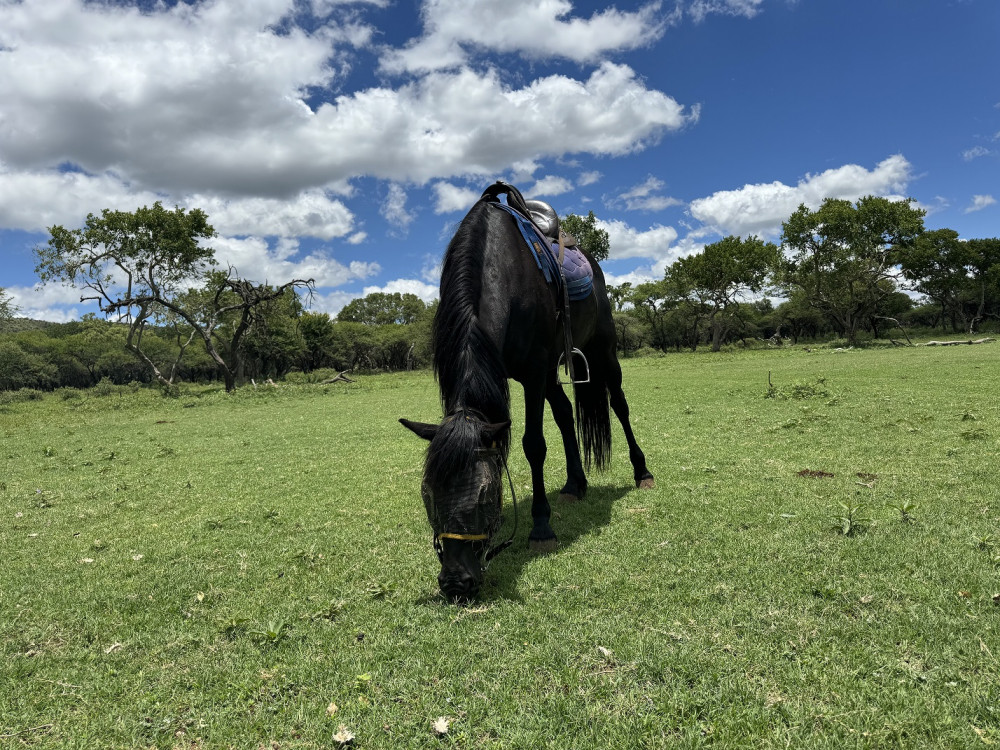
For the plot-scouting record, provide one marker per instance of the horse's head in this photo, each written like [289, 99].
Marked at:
[462, 491]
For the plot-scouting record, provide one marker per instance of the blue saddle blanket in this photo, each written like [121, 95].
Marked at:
[576, 268]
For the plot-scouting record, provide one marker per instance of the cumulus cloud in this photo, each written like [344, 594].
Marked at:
[36, 199]
[211, 98]
[533, 28]
[312, 213]
[979, 202]
[426, 292]
[589, 178]
[449, 198]
[629, 242]
[394, 207]
[645, 197]
[254, 258]
[548, 186]
[760, 209]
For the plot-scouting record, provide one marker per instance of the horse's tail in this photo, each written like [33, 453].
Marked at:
[593, 418]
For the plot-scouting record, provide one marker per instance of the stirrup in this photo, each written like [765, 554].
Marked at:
[586, 367]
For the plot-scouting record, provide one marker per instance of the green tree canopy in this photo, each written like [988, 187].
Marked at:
[723, 274]
[141, 265]
[590, 238]
[841, 252]
[383, 308]
[7, 308]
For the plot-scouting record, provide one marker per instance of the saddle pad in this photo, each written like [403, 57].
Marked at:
[575, 269]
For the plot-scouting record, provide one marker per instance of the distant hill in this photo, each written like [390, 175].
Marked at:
[15, 325]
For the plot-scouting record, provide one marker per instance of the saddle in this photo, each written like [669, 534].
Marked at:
[556, 252]
[560, 260]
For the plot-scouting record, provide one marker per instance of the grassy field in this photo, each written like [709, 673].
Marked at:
[255, 570]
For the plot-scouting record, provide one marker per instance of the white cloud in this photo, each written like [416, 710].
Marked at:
[549, 185]
[644, 197]
[533, 28]
[449, 198]
[979, 202]
[35, 200]
[254, 259]
[628, 242]
[760, 209]
[335, 301]
[700, 9]
[210, 99]
[589, 178]
[426, 292]
[975, 152]
[394, 207]
[53, 302]
[312, 213]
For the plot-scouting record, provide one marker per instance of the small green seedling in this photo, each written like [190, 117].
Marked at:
[849, 520]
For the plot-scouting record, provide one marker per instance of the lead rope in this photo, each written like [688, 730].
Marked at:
[494, 551]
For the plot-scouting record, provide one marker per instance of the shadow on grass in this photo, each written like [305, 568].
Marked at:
[570, 521]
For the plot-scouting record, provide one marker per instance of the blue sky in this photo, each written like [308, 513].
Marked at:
[345, 140]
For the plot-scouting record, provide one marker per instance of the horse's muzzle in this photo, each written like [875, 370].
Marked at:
[459, 585]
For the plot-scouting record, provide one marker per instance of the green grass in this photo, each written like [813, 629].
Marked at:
[214, 571]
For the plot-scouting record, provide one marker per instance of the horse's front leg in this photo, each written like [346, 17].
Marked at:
[562, 411]
[542, 538]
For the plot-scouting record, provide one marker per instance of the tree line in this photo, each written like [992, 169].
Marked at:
[846, 269]
[169, 313]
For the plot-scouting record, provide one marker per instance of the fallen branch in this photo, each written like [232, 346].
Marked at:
[956, 343]
[342, 377]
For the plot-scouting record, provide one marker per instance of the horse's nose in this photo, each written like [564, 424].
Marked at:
[458, 586]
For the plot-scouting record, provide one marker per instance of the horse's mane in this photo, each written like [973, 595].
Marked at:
[468, 366]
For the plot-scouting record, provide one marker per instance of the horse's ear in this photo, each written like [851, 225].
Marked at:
[421, 429]
[490, 432]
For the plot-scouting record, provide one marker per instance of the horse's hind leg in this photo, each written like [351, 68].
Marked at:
[562, 411]
[643, 478]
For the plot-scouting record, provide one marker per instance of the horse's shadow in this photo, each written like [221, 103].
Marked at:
[570, 521]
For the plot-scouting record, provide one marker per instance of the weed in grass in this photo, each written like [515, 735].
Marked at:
[800, 389]
[905, 508]
[849, 521]
[235, 627]
[273, 632]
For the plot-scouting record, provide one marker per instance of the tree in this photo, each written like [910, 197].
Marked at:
[985, 278]
[318, 335]
[841, 252]
[619, 295]
[722, 274]
[589, 237]
[139, 266]
[383, 308]
[7, 307]
[937, 264]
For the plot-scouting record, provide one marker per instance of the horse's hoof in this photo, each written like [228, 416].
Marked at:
[646, 484]
[542, 546]
[565, 497]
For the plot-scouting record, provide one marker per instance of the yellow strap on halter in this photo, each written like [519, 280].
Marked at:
[464, 537]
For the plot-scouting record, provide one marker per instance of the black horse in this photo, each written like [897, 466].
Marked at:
[499, 319]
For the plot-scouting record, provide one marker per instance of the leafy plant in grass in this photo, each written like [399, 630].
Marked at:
[799, 389]
[273, 632]
[849, 521]
[905, 508]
